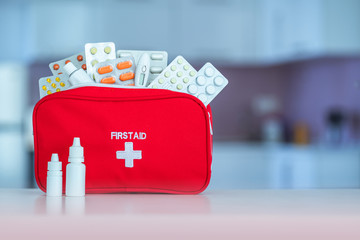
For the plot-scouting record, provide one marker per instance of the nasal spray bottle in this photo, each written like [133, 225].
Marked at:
[75, 171]
[54, 177]
[76, 76]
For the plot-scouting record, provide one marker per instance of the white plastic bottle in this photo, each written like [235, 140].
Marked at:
[54, 177]
[76, 76]
[75, 171]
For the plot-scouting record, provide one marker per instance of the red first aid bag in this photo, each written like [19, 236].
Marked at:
[165, 136]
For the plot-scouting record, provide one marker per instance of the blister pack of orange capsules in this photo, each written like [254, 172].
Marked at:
[120, 71]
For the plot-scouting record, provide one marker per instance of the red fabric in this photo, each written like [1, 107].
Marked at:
[176, 154]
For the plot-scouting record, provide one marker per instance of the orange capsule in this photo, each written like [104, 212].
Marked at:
[79, 58]
[84, 67]
[108, 80]
[56, 66]
[127, 76]
[105, 69]
[131, 84]
[59, 73]
[67, 61]
[124, 65]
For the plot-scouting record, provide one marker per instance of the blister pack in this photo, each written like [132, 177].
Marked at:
[120, 71]
[208, 83]
[158, 60]
[97, 53]
[79, 61]
[177, 76]
[49, 85]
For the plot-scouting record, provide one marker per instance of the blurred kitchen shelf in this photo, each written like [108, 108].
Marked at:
[241, 165]
[223, 32]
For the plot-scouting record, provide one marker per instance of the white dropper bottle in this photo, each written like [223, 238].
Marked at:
[76, 76]
[75, 170]
[54, 177]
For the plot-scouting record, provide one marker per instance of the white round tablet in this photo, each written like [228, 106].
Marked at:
[201, 80]
[218, 81]
[192, 89]
[202, 97]
[210, 89]
[209, 71]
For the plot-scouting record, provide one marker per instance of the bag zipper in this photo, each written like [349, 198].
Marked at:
[104, 85]
[126, 87]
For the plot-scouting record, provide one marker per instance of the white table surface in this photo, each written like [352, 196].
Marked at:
[237, 214]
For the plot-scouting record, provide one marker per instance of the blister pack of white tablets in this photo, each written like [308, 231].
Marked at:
[120, 71]
[177, 76]
[79, 61]
[49, 85]
[98, 52]
[208, 83]
[158, 61]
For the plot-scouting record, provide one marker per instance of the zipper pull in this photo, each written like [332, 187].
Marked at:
[211, 129]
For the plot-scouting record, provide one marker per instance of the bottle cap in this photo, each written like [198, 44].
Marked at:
[70, 68]
[76, 152]
[54, 164]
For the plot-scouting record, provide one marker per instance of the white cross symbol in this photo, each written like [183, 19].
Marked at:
[129, 155]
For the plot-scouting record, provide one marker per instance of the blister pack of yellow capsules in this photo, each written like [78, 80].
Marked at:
[49, 85]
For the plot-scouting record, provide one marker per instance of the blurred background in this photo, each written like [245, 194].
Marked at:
[289, 118]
